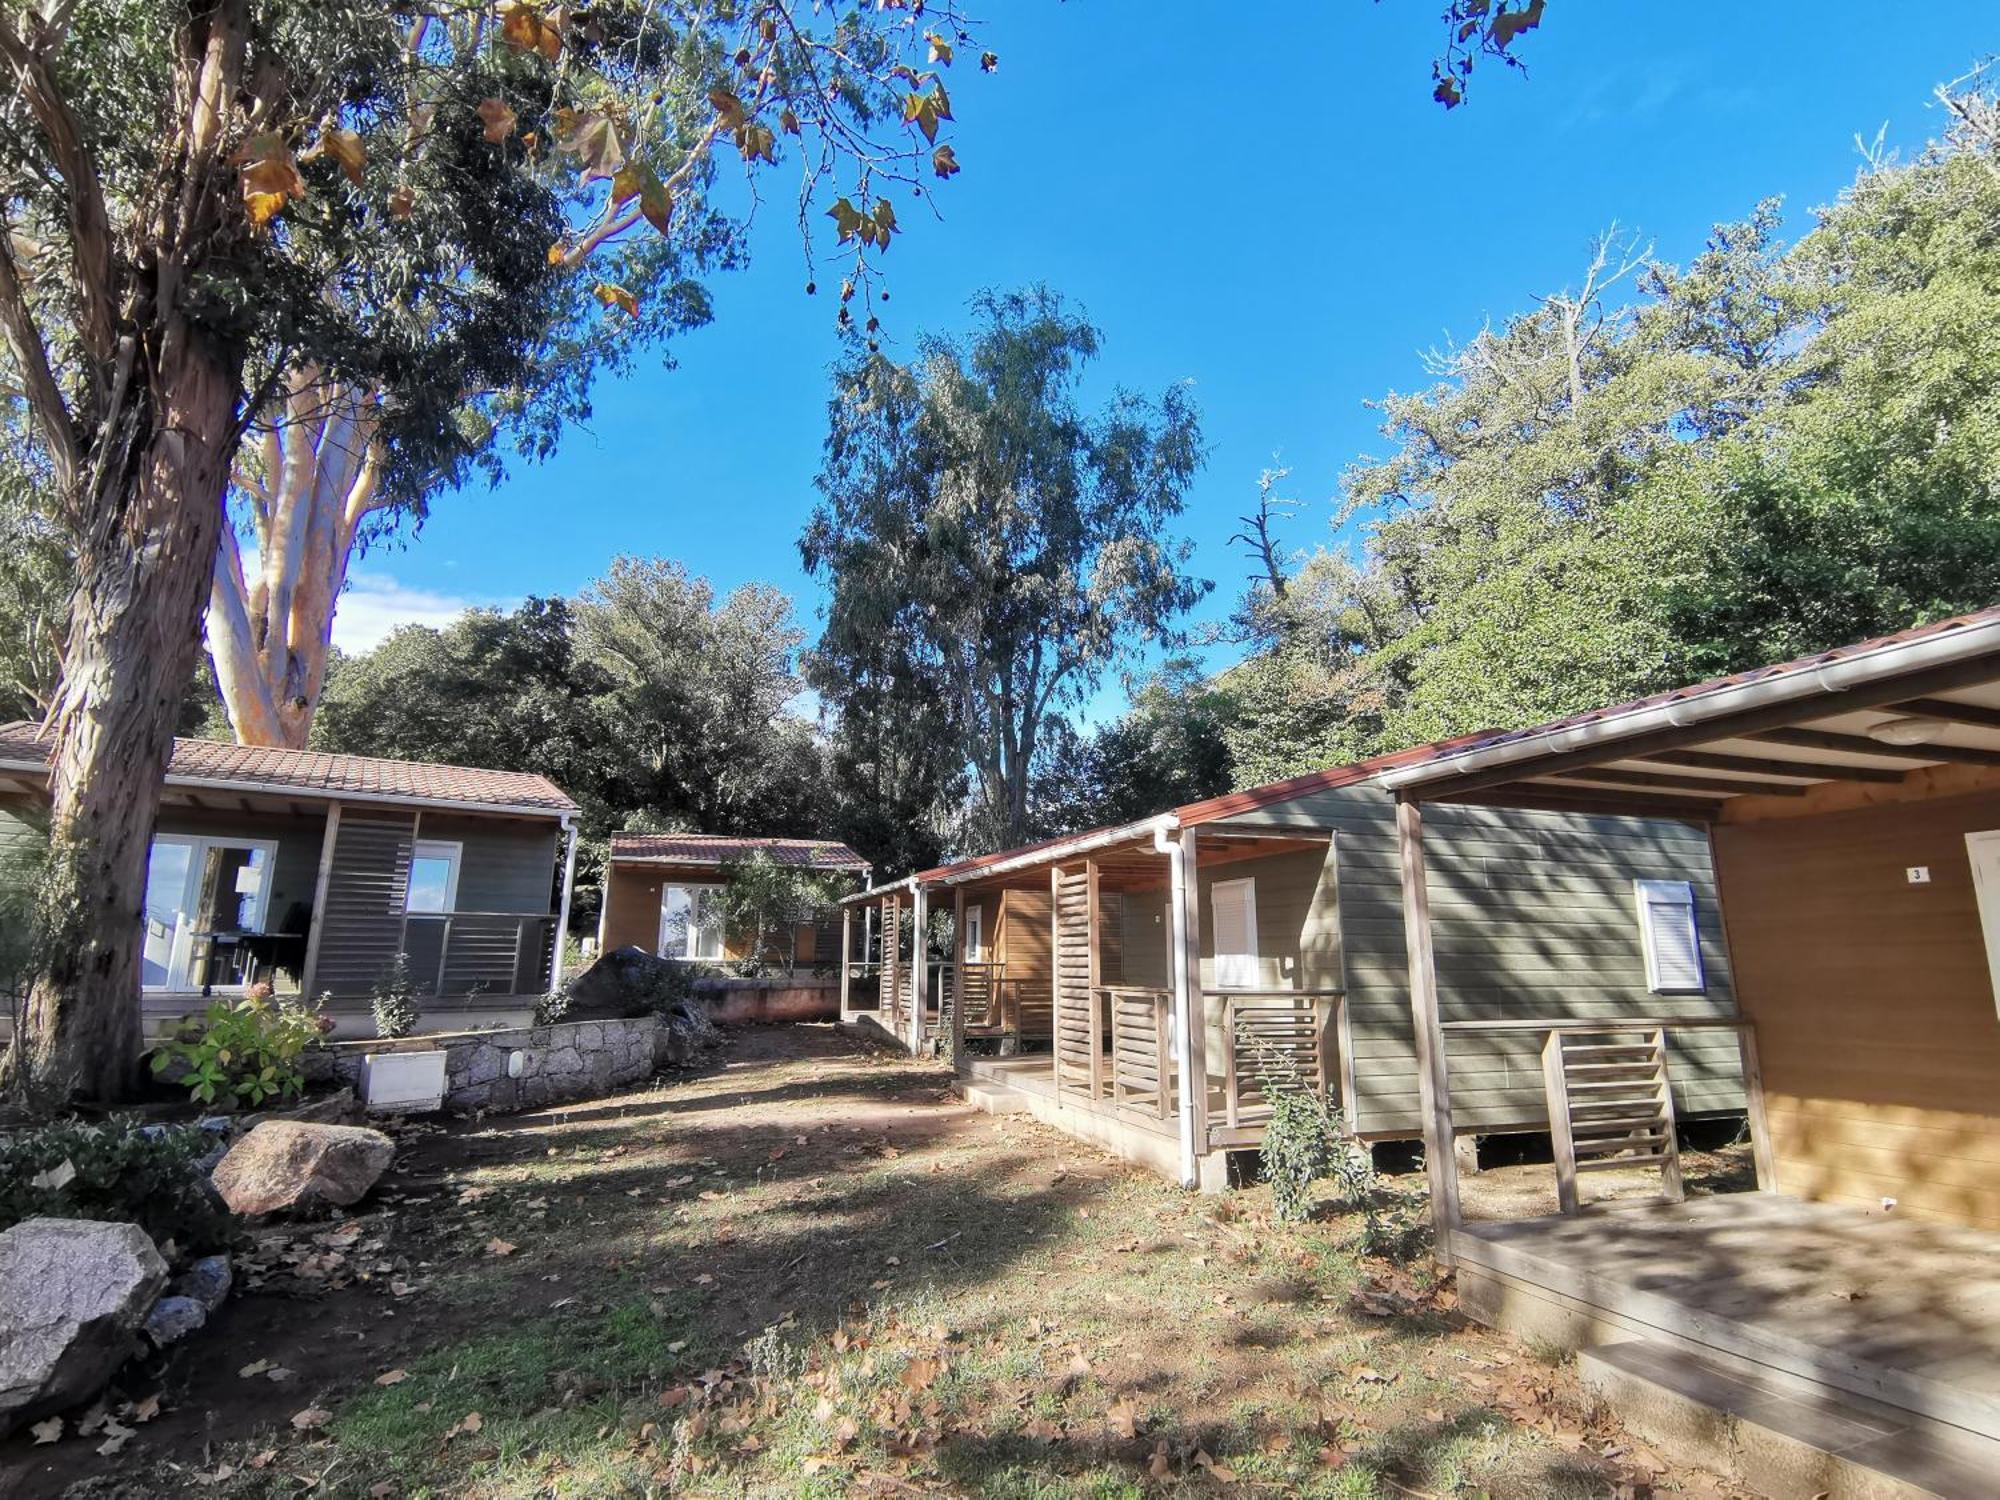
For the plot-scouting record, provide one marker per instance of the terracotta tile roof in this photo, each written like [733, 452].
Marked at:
[719, 848]
[314, 773]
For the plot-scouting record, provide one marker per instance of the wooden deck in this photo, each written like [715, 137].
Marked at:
[1894, 1317]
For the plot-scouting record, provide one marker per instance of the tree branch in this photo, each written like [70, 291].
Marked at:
[44, 396]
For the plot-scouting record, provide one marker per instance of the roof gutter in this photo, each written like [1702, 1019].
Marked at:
[1027, 859]
[1801, 686]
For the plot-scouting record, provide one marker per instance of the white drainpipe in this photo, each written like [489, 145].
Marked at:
[1166, 840]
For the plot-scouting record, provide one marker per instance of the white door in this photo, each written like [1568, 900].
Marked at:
[1233, 908]
[1983, 849]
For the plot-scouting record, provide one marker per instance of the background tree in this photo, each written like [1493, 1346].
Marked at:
[1171, 746]
[1013, 547]
[698, 698]
[765, 903]
[171, 260]
[1771, 451]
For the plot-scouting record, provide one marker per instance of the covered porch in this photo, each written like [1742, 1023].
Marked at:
[1146, 988]
[1838, 1330]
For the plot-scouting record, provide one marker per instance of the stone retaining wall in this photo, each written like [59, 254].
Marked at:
[737, 1002]
[568, 1060]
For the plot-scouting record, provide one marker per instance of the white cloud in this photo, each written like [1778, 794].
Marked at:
[374, 604]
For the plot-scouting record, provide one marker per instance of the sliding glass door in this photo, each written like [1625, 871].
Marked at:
[203, 897]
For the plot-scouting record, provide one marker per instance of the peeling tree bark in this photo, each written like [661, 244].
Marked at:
[307, 487]
[140, 469]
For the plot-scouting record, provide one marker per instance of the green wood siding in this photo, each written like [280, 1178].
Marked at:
[1533, 918]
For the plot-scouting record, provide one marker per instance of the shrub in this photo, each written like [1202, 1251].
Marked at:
[120, 1170]
[1306, 1141]
[395, 999]
[243, 1051]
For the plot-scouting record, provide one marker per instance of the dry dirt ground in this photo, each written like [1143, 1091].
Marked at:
[809, 1270]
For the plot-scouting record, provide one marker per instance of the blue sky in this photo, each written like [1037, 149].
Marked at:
[1262, 201]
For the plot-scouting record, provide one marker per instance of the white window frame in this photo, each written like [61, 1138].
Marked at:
[1253, 955]
[1648, 896]
[198, 845]
[1988, 897]
[452, 852]
[975, 933]
[695, 891]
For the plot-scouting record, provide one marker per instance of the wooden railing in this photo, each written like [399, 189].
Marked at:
[1566, 1130]
[1142, 1067]
[1270, 1037]
[464, 954]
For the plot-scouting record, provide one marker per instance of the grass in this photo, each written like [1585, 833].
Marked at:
[811, 1275]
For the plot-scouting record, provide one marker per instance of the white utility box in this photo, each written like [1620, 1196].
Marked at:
[402, 1082]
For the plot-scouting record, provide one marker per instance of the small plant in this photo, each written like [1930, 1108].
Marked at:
[116, 1169]
[552, 1007]
[1306, 1141]
[243, 1051]
[395, 1000]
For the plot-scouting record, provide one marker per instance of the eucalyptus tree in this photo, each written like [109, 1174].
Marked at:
[1010, 545]
[208, 203]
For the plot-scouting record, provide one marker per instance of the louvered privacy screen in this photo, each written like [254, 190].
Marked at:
[1672, 941]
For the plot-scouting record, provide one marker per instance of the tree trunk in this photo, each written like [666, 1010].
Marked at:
[308, 488]
[134, 631]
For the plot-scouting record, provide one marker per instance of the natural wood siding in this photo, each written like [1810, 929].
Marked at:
[632, 915]
[1873, 1004]
[1534, 918]
[1024, 935]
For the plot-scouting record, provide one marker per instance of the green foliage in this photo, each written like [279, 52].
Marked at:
[394, 999]
[242, 1051]
[114, 1169]
[987, 541]
[1306, 1142]
[1660, 474]
[765, 903]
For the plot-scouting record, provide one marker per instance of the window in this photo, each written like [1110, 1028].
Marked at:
[691, 921]
[433, 877]
[975, 934]
[1670, 937]
[1234, 906]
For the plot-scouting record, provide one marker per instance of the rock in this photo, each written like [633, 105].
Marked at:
[340, 1108]
[72, 1294]
[207, 1280]
[627, 981]
[173, 1319]
[290, 1164]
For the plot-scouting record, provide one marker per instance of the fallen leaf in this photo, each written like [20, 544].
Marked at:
[115, 1437]
[311, 1417]
[392, 1377]
[49, 1431]
[255, 1368]
[148, 1409]
[498, 1246]
[1123, 1418]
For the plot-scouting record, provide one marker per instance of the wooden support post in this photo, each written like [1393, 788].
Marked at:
[309, 971]
[1092, 999]
[1670, 1146]
[920, 969]
[846, 964]
[958, 1057]
[1433, 1075]
[1561, 1137]
[1188, 964]
[1760, 1126]
[1323, 1008]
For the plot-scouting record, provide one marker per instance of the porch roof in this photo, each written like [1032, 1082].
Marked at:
[219, 766]
[1880, 711]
